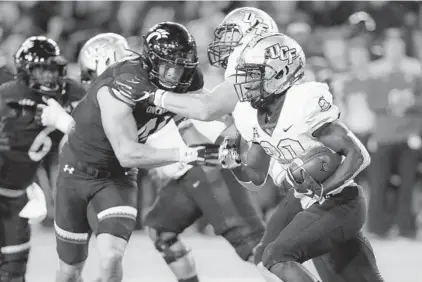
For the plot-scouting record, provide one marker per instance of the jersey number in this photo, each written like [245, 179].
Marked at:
[286, 150]
[41, 145]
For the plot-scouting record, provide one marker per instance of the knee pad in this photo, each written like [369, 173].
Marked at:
[174, 252]
[13, 266]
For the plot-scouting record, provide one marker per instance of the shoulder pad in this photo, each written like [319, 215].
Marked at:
[131, 81]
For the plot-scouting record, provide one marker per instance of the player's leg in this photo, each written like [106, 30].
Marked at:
[228, 207]
[283, 215]
[172, 212]
[71, 225]
[14, 239]
[314, 232]
[112, 213]
[353, 260]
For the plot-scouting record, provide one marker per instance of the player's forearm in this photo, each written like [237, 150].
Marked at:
[355, 161]
[195, 106]
[144, 156]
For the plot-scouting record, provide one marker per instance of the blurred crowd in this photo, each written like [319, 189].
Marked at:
[375, 78]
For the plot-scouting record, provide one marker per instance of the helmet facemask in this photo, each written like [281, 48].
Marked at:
[255, 83]
[46, 77]
[172, 74]
[226, 38]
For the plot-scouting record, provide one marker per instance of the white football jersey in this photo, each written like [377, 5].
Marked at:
[306, 107]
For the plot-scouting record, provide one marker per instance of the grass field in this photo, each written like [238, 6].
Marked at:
[398, 260]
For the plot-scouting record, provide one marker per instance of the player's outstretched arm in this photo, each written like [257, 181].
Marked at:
[340, 139]
[201, 105]
[121, 130]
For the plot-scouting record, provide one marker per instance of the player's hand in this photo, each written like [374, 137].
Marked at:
[309, 187]
[36, 208]
[201, 154]
[228, 154]
[53, 114]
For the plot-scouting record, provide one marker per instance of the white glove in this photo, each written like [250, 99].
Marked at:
[53, 114]
[36, 208]
[228, 155]
[201, 154]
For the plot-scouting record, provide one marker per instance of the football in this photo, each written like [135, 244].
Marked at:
[319, 162]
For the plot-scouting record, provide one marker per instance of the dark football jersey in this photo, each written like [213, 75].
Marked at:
[29, 141]
[129, 79]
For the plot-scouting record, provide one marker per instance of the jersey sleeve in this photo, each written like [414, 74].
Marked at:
[320, 109]
[130, 83]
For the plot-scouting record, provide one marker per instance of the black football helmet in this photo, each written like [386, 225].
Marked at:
[39, 62]
[170, 51]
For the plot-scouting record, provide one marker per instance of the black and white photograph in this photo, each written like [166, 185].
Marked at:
[210, 141]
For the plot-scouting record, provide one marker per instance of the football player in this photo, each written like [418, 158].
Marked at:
[230, 38]
[41, 74]
[96, 190]
[191, 192]
[281, 117]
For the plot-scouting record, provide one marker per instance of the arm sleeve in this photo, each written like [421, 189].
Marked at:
[130, 84]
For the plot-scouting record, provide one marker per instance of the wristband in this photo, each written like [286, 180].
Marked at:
[159, 97]
[65, 123]
[187, 155]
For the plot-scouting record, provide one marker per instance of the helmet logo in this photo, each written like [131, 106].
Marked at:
[159, 33]
[255, 22]
[283, 53]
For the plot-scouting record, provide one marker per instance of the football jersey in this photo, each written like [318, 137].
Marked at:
[29, 141]
[127, 81]
[306, 108]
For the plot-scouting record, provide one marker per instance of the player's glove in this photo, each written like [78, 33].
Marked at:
[200, 154]
[228, 153]
[53, 114]
[36, 208]
[308, 187]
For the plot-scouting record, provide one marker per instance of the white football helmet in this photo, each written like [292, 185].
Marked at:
[269, 65]
[237, 26]
[99, 52]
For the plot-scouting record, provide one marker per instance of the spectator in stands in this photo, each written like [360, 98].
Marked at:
[396, 138]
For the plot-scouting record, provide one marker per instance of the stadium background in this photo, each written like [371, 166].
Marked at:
[319, 26]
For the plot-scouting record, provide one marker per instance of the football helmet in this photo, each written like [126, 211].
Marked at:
[268, 66]
[99, 52]
[360, 23]
[171, 53]
[236, 26]
[39, 62]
